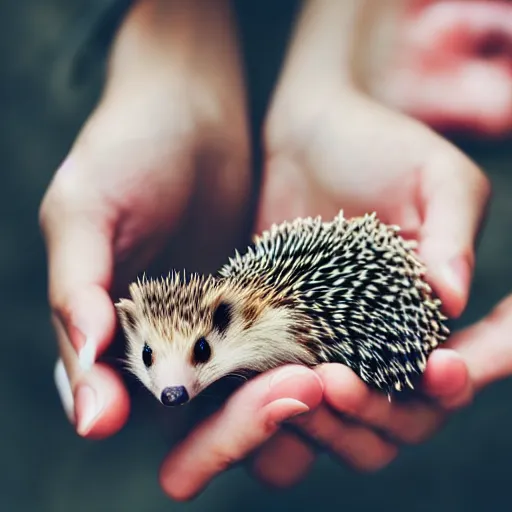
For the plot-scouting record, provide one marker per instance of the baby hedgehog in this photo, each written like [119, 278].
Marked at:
[307, 292]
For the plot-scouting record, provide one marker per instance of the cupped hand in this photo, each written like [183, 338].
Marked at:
[254, 424]
[160, 168]
[327, 150]
[343, 150]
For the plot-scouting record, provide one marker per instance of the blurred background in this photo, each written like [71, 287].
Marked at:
[51, 61]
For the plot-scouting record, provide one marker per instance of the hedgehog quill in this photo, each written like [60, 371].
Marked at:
[350, 291]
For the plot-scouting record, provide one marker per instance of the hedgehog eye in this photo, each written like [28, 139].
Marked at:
[202, 351]
[222, 317]
[147, 355]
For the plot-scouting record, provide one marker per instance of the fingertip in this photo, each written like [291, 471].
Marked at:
[191, 465]
[176, 488]
[447, 379]
[102, 403]
[297, 383]
[175, 492]
[445, 373]
[343, 389]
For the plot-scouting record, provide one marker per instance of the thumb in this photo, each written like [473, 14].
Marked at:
[250, 417]
[455, 194]
[79, 253]
[79, 274]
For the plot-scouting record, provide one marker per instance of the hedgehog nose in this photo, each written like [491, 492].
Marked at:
[174, 395]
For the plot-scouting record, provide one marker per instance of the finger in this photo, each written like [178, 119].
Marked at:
[356, 445]
[455, 194]
[78, 240]
[486, 347]
[79, 248]
[349, 396]
[95, 400]
[283, 461]
[251, 417]
[447, 381]
[101, 397]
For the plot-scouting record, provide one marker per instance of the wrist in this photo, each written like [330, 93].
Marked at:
[167, 42]
[174, 65]
[342, 45]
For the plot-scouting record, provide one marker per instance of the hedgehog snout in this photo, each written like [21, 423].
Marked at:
[174, 395]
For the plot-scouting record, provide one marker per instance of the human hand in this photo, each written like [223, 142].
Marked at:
[337, 148]
[341, 149]
[249, 427]
[163, 157]
[328, 146]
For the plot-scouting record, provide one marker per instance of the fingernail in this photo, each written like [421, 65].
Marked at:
[287, 408]
[85, 346]
[87, 354]
[288, 373]
[88, 407]
[64, 390]
[301, 409]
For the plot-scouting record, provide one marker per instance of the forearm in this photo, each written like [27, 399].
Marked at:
[165, 53]
[166, 38]
[334, 44]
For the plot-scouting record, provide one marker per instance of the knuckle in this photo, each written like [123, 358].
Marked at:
[223, 460]
[63, 196]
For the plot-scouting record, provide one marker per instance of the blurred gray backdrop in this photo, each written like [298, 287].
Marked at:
[51, 58]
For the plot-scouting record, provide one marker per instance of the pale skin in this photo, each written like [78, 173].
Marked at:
[125, 185]
[453, 70]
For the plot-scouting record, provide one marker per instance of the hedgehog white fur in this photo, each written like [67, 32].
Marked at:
[308, 292]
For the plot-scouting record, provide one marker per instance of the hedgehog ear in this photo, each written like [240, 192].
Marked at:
[222, 316]
[127, 315]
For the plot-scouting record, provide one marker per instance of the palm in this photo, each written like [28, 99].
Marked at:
[353, 154]
[165, 197]
[356, 166]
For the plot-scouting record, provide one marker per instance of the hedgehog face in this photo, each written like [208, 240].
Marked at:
[182, 337]
[173, 328]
